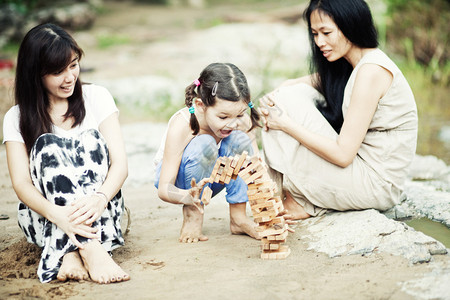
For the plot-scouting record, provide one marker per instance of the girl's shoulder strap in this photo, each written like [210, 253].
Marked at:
[183, 112]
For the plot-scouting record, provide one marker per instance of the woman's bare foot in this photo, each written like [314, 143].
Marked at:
[101, 267]
[295, 210]
[191, 231]
[240, 223]
[72, 268]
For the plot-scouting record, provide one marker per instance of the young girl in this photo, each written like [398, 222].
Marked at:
[66, 160]
[352, 151]
[213, 124]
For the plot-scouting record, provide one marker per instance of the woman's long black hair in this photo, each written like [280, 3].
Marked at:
[231, 85]
[354, 19]
[45, 49]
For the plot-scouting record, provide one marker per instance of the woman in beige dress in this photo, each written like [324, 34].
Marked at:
[343, 137]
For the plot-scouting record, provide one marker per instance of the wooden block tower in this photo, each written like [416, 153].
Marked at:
[265, 206]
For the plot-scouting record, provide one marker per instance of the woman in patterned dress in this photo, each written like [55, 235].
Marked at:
[66, 160]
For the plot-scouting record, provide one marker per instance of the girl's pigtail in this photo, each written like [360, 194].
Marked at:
[255, 117]
[190, 95]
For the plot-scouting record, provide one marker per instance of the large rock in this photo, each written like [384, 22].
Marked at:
[367, 232]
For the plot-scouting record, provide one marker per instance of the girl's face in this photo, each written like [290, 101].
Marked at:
[60, 85]
[224, 117]
[328, 37]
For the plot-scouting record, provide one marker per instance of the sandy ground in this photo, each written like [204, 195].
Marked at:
[227, 266]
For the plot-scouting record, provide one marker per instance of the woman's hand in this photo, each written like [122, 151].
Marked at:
[88, 209]
[194, 193]
[62, 220]
[274, 117]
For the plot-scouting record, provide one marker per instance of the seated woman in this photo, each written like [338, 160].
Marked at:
[343, 137]
[66, 160]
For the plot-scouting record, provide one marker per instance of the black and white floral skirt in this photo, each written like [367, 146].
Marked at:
[64, 169]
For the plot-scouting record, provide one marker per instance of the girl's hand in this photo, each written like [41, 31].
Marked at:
[195, 191]
[274, 117]
[62, 220]
[88, 209]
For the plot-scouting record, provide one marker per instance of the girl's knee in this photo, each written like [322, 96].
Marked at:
[236, 143]
[201, 146]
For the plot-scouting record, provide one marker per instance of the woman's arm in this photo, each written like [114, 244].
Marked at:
[179, 135]
[18, 165]
[308, 79]
[371, 83]
[118, 170]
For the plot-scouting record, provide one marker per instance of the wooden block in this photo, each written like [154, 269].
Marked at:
[206, 195]
[214, 171]
[269, 212]
[254, 176]
[271, 231]
[278, 237]
[241, 160]
[219, 174]
[267, 186]
[277, 227]
[234, 161]
[230, 169]
[252, 191]
[255, 196]
[267, 204]
[271, 247]
[266, 213]
[223, 174]
[262, 219]
[277, 220]
[253, 164]
[265, 240]
[227, 179]
[257, 202]
[262, 180]
[281, 253]
[253, 185]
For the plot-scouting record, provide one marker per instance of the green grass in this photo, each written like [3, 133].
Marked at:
[431, 89]
[106, 41]
[10, 49]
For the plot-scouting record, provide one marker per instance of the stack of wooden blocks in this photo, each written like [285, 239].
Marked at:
[265, 206]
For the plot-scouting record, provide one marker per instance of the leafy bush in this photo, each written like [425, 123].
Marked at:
[419, 30]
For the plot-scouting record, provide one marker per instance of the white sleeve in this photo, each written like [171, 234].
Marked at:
[100, 102]
[11, 131]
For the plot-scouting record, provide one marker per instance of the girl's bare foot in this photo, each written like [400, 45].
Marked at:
[72, 268]
[101, 267]
[191, 231]
[295, 210]
[240, 223]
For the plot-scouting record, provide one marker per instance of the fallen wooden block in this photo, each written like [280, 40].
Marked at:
[206, 195]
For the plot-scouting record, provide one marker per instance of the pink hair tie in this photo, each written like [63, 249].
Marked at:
[197, 82]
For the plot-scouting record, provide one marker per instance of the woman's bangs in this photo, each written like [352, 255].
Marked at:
[58, 57]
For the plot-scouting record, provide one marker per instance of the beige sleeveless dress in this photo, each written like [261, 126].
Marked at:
[376, 176]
